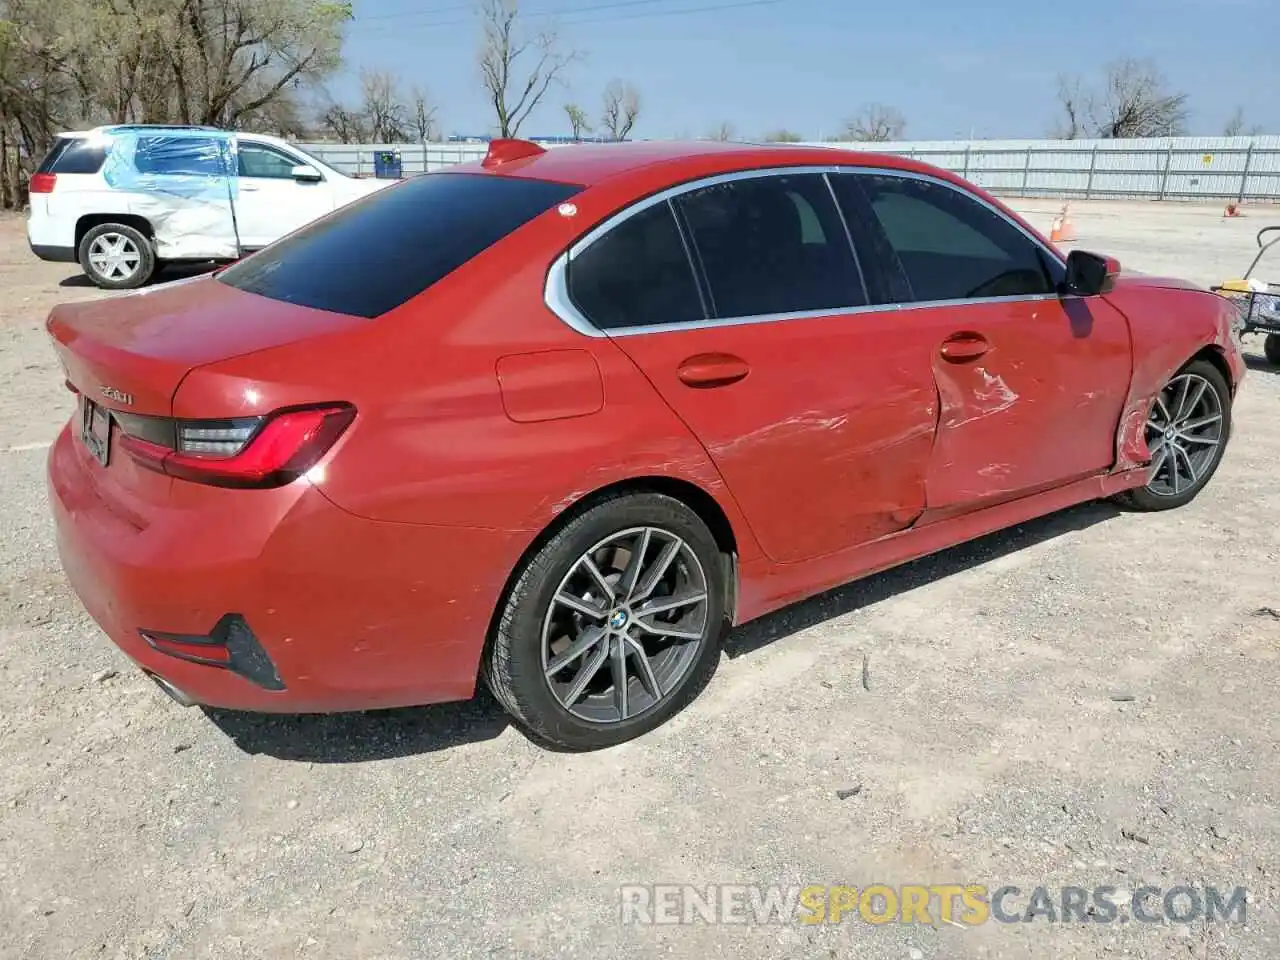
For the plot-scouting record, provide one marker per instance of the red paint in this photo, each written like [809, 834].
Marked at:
[504, 151]
[834, 446]
[554, 385]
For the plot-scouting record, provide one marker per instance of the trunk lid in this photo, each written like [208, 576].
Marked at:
[130, 353]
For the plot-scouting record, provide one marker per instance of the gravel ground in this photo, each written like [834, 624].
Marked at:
[1088, 700]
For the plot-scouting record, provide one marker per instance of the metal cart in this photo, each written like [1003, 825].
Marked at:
[1257, 300]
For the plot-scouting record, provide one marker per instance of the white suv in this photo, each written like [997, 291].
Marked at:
[121, 229]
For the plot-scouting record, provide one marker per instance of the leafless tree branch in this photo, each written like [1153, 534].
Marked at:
[875, 122]
[621, 108]
[516, 68]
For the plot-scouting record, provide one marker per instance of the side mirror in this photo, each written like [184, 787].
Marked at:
[1090, 274]
[306, 173]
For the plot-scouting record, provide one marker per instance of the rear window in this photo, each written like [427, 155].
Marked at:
[373, 255]
[74, 155]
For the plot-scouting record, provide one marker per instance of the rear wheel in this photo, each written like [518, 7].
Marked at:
[1271, 348]
[613, 627]
[1187, 432]
[116, 256]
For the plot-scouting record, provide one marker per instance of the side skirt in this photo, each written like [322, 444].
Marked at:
[765, 587]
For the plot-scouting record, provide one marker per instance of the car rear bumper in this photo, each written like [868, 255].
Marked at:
[54, 253]
[334, 612]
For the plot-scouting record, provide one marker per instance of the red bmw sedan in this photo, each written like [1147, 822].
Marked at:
[558, 418]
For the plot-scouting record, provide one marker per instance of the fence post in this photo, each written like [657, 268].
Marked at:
[1244, 176]
[967, 148]
[1093, 165]
[1168, 162]
[1026, 171]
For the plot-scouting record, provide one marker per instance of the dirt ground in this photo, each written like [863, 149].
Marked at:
[1088, 700]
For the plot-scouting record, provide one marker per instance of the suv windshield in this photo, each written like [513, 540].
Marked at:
[374, 254]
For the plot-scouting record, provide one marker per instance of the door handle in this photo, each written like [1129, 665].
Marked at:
[712, 370]
[964, 346]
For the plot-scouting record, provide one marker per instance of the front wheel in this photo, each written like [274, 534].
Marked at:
[613, 627]
[1187, 432]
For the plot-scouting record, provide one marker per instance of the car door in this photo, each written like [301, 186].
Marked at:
[1031, 383]
[819, 416]
[270, 202]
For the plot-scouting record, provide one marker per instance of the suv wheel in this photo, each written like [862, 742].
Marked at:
[117, 257]
[613, 627]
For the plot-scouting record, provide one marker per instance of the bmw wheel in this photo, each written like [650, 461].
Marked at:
[1187, 432]
[116, 256]
[613, 627]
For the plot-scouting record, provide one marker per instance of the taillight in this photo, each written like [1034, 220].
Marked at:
[42, 183]
[247, 452]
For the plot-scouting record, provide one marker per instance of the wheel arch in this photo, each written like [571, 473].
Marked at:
[696, 498]
[1214, 354]
[91, 220]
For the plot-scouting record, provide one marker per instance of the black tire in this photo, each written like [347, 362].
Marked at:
[1151, 497]
[513, 664]
[1271, 348]
[135, 244]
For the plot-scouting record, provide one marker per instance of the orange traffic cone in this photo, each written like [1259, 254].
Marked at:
[1062, 230]
[1232, 210]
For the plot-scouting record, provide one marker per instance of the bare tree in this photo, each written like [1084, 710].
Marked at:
[621, 107]
[723, 131]
[875, 122]
[1073, 102]
[1133, 100]
[782, 136]
[1136, 102]
[578, 122]
[517, 68]
[383, 106]
[346, 124]
[1235, 127]
[423, 115]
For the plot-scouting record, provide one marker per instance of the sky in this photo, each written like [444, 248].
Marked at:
[985, 68]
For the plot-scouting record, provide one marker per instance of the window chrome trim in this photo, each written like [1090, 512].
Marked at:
[556, 289]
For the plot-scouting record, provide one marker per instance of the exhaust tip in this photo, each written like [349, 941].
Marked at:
[174, 694]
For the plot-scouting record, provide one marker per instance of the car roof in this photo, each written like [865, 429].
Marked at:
[588, 164]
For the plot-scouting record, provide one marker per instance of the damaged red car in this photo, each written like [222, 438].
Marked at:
[557, 419]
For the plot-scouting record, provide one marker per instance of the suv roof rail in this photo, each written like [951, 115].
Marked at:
[160, 126]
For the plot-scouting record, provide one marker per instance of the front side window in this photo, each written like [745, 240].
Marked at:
[259, 161]
[772, 245]
[637, 274]
[950, 246]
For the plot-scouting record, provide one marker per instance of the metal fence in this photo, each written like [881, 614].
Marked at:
[1238, 169]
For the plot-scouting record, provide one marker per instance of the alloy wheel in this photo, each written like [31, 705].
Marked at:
[114, 257]
[625, 624]
[1184, 431]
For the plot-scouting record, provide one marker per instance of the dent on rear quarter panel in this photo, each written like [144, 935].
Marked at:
[1168, 327]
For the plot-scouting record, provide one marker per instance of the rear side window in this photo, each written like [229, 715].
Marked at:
[74, 155]
[773, 244]
[951, 246]
[638, 274]
[374, 254]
